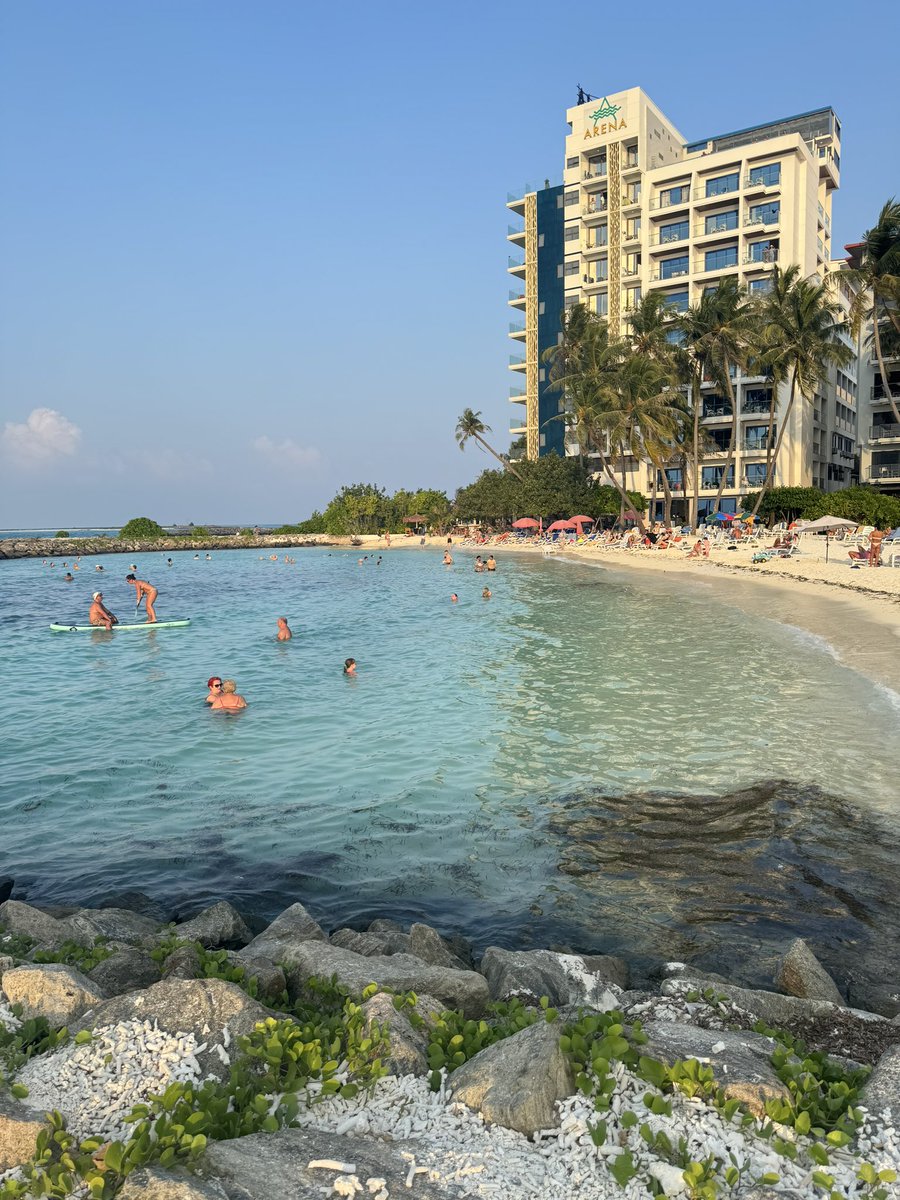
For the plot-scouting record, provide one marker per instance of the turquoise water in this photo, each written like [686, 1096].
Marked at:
[584, 759]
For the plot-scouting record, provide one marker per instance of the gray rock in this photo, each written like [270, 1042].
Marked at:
[6, 963]
[7, 883]
[385, 925]
[773, 1008]
[87, 924]
[465, 990]
[183, 963]
[54, 991]
[153, 1183]
[359, 943]
[275, 1166]
[517, 1082]
[678, 970]
[269, 976]
[125, 971]
[137, 902]
[761, 1192]
[608, 968]
[741, 1062]
[27, 921]
[409, 1046]
[801, 974]
[204, 1007]
[294, 927]
[19, 1128]
[216, 927]
[882, 1090]
[426, 943]
[564, 979]
[881, 998]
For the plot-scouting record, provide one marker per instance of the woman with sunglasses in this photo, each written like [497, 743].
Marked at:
[215, 689]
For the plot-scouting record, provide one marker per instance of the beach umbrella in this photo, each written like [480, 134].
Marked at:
[825, 523]
[526, 523]
[580, 520]
[557, 525]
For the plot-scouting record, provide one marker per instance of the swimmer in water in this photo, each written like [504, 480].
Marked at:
[350, 666]
[448, 559]
[453, 598]
[486, 594]
[284, 633]
[214, 683]
[228, 699]
[69, 577]
[491, 563]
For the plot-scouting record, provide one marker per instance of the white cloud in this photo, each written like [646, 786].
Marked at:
[45, 435]
[286, 453]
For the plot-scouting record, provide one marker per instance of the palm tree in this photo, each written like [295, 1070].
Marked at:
[877, 278]
[732, 348]
[800, 343]
[470, 425]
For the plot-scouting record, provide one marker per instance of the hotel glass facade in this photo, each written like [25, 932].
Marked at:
[642, 209]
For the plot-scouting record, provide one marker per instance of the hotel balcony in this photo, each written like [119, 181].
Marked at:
[516, 331]
[593, 180]
[517, 364]
[516, 236]
[885, 472]
[884, 433]
[593, 252]
[591, 283]
[702, 234]
[517, 427]
[591, 213]
[661, 204]
[759, 185]
[516, 301]
[766, 222]
[627, 201]
[633, 236]
[765, 259]
[700, 268]
[518, 398]
[632, 163]
[701, 198]
[658, 276]
[515, 267]
[667, 241]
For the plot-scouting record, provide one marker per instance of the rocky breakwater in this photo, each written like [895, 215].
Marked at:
[70, 548]
[193, 1060]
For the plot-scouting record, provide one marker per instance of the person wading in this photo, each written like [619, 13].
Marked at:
[143, 591]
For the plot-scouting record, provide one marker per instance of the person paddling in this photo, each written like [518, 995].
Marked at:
[143, 591]
[100, 614]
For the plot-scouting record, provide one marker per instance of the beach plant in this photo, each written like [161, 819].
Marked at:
[139, 528]
[84, 958]
[62, 533]
[16, 945]
[453, 1039]
[29, 1038]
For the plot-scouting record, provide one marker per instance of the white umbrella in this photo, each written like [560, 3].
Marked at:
[824, 523]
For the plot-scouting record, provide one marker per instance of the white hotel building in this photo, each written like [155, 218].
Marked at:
[641, 208]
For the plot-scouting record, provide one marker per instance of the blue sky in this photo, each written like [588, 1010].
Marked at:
[250, 252]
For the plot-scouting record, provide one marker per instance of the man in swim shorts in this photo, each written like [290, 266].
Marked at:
[100, 614]
[144, 591]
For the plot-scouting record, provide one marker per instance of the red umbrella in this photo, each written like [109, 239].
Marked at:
[526, 523]
[560, 525]
[581, 520]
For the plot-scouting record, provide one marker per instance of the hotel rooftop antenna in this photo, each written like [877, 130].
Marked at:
[583, 96]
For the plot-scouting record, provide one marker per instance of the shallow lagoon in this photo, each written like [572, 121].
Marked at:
[582, 760]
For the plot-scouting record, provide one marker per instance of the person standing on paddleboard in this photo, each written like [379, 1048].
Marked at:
[145, 591]
[100, 614]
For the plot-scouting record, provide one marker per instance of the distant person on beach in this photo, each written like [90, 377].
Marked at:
[144, 591]
[448, 559]
[214, 683]
[350, 666]
[228, 699]
[491, 563]
[100, 614]
[486, 594]
[284, 634]
[387, 540]
[876, 537]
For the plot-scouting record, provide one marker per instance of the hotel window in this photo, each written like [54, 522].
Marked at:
[602, 269]
[722, 184]
[670, 268]
[633, 229]
[571, 234]
[631, 156]
[571, 198]
[756, 474]
[675, 337]
[719, 221]
[755, 437]
[572, 300]
[571, 267]
[595, 167]
[602, 235]
[632, 264]
[763, 252]
[632, 297]
[632, 193]
[765, 214]
[678, 301]
[770, 174]
[571, 162]
[602, 304]
[760, 287]
[712, 477]
[675, 195]
[715, 260]
[757, 400]
[677, 231]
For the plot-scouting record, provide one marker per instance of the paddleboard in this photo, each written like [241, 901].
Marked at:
[145, 625]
